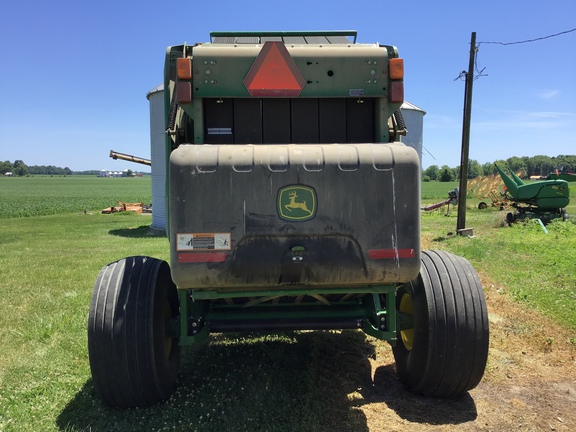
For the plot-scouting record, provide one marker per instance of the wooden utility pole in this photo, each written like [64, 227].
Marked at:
[461, 222]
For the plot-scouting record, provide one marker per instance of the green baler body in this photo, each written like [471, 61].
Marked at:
[236, 151]
[288, 184]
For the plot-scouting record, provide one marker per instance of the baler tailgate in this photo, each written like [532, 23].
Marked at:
[293, 215]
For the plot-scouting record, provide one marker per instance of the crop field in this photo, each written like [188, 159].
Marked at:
[40, 196]
[51, 251]
[434, 190]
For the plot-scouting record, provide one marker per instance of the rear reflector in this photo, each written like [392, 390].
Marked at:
[376, 254]
[201, 257]
[274, 73]
[396, 91]
[184, 92]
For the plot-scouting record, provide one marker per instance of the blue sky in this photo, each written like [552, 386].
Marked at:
[75, 73]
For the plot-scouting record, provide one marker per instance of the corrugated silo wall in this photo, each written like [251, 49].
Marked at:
[414, 120]
[158, 157]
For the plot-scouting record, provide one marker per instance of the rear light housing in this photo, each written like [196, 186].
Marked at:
[183, 84]
[396, 75]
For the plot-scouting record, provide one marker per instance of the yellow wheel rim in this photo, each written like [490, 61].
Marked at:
[407, 335]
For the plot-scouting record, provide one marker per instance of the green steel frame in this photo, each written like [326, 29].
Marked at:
[373, 309]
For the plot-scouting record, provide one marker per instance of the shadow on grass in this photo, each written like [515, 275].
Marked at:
[417, 408]
[143, 231]
[298, 381]
[440, 239]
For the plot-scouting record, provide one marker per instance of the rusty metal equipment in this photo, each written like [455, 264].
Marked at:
[451, 200]
[130, 207]
[292, 205]
[115, 155]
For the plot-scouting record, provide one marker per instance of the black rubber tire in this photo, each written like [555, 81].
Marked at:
[510, 218]
[133, 361]
[482, 205]
[450, 328]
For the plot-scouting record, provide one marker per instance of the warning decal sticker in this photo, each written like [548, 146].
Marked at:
[202, 241]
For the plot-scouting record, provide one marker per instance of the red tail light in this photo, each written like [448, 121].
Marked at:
[396, 91]
[184, 92]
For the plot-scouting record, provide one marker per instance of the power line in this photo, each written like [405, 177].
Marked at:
[529, 40]
[480, 73]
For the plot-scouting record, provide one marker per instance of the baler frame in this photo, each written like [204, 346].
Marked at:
[322, 121]
[372, 311]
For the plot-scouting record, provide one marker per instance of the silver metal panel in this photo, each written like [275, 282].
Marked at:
[224, 40]
[296, 40]
[313, 39]
[247, 40]
[338, 40]
[316, 40]
[271, 39]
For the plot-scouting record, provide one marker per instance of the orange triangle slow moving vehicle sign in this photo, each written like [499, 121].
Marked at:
[274, 73]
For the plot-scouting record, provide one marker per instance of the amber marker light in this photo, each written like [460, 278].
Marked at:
[396, 66]
[184, 68]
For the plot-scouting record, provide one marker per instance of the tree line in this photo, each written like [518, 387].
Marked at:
[528, 166]
[539, 166]
[19, 168]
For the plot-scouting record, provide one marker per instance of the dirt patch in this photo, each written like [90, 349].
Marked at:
[529, 383]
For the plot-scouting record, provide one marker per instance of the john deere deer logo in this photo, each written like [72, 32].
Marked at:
[297, 203]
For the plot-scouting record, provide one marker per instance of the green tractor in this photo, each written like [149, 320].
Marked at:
[545, 200]
[292, 205]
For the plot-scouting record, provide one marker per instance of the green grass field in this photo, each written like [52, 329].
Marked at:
[285, 382]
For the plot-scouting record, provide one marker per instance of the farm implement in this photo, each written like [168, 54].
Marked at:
[568, 176]
[292, 205]
[451, 200]
[488, 187]
[545, 200]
